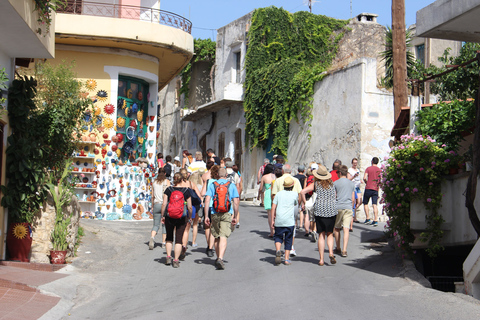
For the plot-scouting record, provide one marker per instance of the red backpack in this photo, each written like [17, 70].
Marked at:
[221, 199]
[176, 205]
[309, 181]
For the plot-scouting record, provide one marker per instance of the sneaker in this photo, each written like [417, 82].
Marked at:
[210, 253]
[278, 257]
[219, 264]
[293, 253]
[151, 244]
[168, 261]
[238, 225]
[182, 255]
[307, 234]
[314, 237]
[368, 221]
[344, 254]
[176, 263]
[375, 223]
[194, 245]
[164, 244]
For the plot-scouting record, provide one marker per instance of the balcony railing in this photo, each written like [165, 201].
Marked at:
[127, 12]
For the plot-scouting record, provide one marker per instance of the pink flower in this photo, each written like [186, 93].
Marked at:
[447, 161]
[429, 200]
[415, 190]
[430, 183]
[399, 205]
[407, 189]
[433, 163]
[421, 169]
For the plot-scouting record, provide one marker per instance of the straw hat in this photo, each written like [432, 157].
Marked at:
[288, 182]
[322, 173]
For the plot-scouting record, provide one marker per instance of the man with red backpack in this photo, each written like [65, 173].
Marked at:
[224, 213]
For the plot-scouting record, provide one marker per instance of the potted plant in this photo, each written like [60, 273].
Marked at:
[62, 195]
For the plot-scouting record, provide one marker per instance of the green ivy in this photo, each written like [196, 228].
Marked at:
[204, 50]
[287, 54]
[3, 86]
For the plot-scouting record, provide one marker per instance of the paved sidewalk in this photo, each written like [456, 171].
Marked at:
[20, 296]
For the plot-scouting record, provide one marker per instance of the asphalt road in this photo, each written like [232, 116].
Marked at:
[115, 276]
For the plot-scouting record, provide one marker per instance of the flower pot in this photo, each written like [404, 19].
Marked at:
[57, 256]
[453, 171]
[19, 241]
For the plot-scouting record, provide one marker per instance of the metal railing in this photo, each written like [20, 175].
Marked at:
[127, 12]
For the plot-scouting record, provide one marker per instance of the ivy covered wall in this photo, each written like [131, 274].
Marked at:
[287, 54]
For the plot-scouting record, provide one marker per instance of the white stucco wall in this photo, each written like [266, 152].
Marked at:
[351, 118]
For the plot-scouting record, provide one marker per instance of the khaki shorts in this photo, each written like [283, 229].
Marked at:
[221, 225]
[344, 218]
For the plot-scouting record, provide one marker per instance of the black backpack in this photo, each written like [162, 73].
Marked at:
[168, 170]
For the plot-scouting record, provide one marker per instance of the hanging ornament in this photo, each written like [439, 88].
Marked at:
[119, 152]
[104, 152]
[135, 107]
[114, 147]
[140, 115]
[133, 123]
[152, 118]
[120, 137]
[129, 94]
[140, 95]
[109, 108]
[121, 103]
[98, 111]
[91, 84]
[120, 122]
[102, 95]
[108, 123]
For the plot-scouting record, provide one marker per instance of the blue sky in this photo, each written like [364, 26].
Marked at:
[214, 14]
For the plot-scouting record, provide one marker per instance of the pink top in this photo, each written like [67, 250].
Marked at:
[373, 178]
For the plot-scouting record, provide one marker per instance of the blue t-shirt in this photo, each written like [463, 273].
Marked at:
[286, 202]
[232, 193]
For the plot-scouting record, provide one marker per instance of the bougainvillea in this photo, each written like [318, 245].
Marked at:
[415, 170]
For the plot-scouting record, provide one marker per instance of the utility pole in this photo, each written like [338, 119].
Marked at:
[400, 98]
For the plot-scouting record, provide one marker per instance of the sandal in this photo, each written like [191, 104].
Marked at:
[321, 264]
[344, 254]
[287, 262]
[332, 260]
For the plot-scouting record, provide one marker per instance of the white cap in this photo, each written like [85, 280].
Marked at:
[314, 166]
[177, 158]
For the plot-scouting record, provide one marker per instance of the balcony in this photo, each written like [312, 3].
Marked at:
[161, 34]
[19, 37]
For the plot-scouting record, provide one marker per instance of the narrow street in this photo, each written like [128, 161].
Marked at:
[117, 277]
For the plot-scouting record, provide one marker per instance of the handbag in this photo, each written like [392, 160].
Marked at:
[196, 201]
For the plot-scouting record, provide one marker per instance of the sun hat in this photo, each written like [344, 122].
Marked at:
[177, 158]
[288, 182]
[314, 166]
[322, 173]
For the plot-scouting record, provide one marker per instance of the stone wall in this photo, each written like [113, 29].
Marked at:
[362, 40]
[43, 224]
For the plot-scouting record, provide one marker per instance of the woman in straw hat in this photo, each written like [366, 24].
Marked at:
[325, 209]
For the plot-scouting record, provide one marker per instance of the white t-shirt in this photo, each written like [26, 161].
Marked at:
[158, 189]
[356, 180]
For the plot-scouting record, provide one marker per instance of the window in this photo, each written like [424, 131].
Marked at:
[237, 66]
[420, 53]
[221, 145]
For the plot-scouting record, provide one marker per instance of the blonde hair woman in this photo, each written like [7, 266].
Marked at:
[325, 210]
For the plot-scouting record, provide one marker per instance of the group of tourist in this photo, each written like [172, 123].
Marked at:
[210, 189]
[323, 203]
